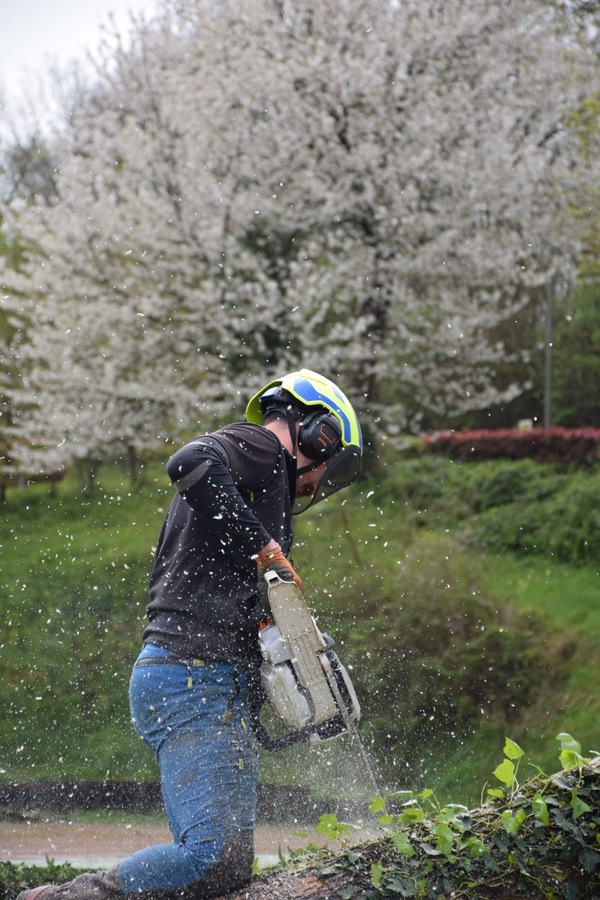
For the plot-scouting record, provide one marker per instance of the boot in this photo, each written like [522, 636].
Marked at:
[232, 872]
[89, 886]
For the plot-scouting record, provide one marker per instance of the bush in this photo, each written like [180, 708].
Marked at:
[15, 878]
[506, 505]
[432, 657]
[565, 445]
[536, 840]
[563, 522]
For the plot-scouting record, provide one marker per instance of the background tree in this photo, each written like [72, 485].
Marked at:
[576, 376]
[362, 188]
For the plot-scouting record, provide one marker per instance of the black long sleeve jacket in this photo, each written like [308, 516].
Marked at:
[235, 490]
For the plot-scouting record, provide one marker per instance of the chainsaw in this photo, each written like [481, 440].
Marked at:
[302, 677]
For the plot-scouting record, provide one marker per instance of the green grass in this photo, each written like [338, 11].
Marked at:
[566, 595]
[383, 565]
[567, 598]
[73, 585]
[45, 530]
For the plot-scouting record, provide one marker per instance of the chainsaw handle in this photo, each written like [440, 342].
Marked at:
[272, 577]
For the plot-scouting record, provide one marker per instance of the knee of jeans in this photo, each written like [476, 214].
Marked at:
[202, 852]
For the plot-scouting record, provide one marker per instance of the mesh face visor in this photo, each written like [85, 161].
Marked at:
[342, 470]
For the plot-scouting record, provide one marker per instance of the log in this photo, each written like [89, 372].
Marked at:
[556, 855]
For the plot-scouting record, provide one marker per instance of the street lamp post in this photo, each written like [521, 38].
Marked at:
[548, 354]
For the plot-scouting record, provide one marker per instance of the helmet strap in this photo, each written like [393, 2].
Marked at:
[291, 423]
[310, 468]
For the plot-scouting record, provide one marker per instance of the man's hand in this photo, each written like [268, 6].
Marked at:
[271, 558]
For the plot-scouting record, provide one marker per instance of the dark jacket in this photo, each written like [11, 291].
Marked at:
[235, 490]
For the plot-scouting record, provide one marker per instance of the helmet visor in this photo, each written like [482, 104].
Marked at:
[342, 470]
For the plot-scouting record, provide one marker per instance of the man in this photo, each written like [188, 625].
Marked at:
[229, 522]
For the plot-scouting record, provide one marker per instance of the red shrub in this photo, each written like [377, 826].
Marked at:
[566, 445]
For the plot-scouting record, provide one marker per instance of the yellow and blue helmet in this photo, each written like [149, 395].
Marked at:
[329, 428]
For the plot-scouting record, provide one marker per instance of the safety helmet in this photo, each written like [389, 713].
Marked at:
[329, 429]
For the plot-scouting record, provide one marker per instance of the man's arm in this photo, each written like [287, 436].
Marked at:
[201, 473]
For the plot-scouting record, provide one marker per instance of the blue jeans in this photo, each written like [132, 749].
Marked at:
[195, 719]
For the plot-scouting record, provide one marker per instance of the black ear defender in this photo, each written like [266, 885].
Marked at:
[320, 435]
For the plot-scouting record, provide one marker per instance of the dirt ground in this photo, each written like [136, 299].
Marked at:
[85, 844]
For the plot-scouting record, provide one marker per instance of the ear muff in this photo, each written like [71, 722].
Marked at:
[320, 435]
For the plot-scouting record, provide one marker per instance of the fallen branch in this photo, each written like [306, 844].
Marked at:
[541, 841]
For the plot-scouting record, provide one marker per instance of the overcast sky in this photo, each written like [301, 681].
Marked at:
[36, 33]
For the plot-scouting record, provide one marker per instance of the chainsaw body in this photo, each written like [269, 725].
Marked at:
[308, 688]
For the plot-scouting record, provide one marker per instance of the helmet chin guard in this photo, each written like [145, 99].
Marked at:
[341, 471]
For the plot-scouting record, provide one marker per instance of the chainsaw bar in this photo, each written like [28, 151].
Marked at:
[304, 643]
[295, 649]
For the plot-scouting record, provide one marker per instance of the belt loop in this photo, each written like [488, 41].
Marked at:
[191, 665]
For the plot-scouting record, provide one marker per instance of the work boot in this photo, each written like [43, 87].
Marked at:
[89, 886]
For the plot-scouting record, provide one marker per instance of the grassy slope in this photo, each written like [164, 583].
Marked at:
[567, 597]
[73, 580]
[89, 557]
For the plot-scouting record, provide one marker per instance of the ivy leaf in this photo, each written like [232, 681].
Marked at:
[376, 804]
[540, 809]
[413, 815]
[385, 820]
[570, 750]
[496, 793]
[565, 782]
[590, 860]
[568, 742]
[475, 847]
[329, 825]
[569, 758]
[512, 750]
[401, 842]
[579, 806]
[505, 772]
[511, 822]
[445, 839]
[402, 885]
[377, 871]
[463, 821]
[429, 850]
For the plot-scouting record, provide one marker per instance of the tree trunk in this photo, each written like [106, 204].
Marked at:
[553, 856]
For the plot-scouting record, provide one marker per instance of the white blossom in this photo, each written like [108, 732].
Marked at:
[366, 189]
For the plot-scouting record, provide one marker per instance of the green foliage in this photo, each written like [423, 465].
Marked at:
[538, 839]
[506, 772]
[564, 523]
[446, 656]
[74, 584]
[576, 349]
[332, 829]
[16, 877]
[502, 505]
[447, 648]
